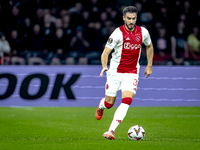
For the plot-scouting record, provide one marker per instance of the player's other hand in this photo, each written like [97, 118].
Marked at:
[102, 71]
[148, 71]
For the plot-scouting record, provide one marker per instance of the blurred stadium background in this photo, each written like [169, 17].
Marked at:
[61, 37]
[54, 32]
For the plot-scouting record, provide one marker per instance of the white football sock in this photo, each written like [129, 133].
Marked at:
[102, 104]
[119, 115]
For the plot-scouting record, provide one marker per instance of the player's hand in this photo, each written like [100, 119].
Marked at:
[148, 71]
[102, 71]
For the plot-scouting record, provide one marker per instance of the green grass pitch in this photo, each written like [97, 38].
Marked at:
[69, 128]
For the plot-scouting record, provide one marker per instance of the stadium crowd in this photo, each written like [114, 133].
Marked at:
[54, 32]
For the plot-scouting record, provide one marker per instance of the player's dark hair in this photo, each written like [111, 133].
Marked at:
[130, 9]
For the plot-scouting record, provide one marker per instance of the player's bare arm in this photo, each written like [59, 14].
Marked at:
[150, 52]
[104, 60]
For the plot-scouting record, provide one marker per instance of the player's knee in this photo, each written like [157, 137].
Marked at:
[108, 105]
[127, 100]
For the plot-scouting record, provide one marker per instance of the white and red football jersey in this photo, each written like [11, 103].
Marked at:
[127, 47]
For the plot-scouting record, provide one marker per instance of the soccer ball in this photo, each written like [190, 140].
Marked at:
[136, 132]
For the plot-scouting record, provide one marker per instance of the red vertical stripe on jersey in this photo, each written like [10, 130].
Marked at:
[132, 43]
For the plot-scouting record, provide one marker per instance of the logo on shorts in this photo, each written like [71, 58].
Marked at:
[110, 40]
[107, 86]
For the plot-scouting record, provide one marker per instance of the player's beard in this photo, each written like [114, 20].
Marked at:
[130, 28]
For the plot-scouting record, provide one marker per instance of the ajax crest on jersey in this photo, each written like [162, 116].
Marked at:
[136, 132]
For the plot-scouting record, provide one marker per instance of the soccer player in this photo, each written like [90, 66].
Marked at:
[123, 73]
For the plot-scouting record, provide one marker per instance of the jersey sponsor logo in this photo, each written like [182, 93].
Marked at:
[127, 38]
[132, 46]
[110, 40]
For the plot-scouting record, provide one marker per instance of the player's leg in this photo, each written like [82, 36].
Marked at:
[121, 111]
[111, 88]
[119, 115]
[105, 103]
[128, 92]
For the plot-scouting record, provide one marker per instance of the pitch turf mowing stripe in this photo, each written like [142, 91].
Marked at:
[77, 128]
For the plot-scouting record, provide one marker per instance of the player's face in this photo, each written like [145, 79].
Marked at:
[130, 20]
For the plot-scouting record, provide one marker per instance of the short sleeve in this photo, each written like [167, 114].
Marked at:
[113, 39]
[146, 36]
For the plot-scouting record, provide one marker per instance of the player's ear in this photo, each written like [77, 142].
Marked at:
[123, 18]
